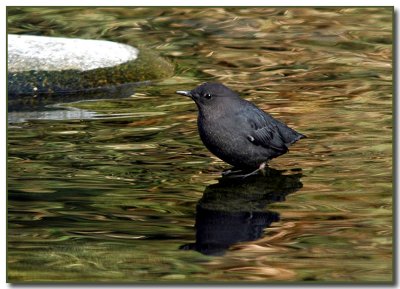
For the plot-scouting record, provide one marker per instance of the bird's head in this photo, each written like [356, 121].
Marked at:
[209, 94]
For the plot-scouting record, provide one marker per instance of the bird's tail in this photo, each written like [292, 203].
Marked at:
[294, 137]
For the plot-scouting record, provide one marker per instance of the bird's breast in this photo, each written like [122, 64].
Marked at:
[217, 134]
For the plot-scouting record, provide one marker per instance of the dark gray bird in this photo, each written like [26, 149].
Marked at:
[236, 130]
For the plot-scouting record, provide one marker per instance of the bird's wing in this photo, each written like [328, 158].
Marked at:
[265, 130]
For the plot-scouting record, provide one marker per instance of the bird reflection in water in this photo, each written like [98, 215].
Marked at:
[234, 209]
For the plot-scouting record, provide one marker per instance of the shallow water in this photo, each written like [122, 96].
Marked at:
[114, 195]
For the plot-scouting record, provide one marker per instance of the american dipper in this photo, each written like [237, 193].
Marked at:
[236, 130]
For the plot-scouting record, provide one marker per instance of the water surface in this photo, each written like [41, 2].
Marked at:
[113, 194]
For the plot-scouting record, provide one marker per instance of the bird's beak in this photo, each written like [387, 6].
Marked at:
[185, 93]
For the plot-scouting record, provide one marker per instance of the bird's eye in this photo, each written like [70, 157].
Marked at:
[207, 95]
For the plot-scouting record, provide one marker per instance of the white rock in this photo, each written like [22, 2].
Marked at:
[41, 53]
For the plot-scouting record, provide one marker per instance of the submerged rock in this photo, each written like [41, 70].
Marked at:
[53, 65]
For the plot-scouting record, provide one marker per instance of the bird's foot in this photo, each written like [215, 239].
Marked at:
[261, 169]
[233, 173]
[230, 172]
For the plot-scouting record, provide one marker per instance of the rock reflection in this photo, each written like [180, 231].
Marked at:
[234, 209]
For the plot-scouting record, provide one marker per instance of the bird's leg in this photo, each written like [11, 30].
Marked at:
[260, 168]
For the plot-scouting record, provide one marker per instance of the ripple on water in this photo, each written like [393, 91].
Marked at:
[109, 190]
